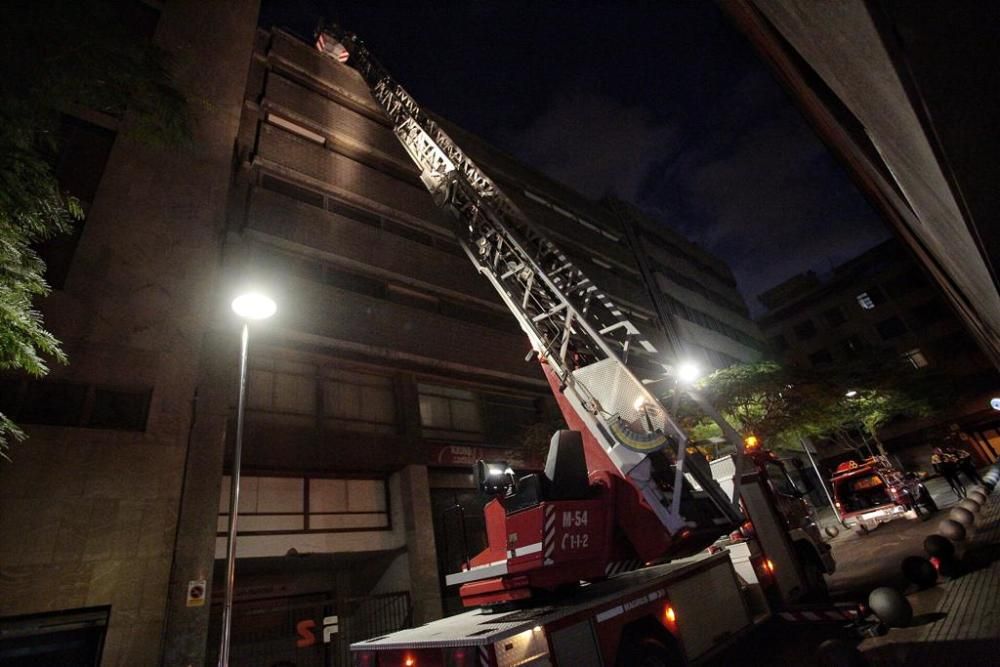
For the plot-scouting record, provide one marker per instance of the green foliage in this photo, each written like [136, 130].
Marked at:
[782, 405]
[55, 57]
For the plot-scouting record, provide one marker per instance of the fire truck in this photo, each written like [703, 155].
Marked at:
[612, 555]
[874, 492]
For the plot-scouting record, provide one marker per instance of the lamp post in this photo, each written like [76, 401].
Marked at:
[249, 306]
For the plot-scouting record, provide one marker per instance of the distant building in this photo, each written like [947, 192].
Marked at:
[390, 367]
[881, 300]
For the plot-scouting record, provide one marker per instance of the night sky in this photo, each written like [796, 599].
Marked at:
[664, 104]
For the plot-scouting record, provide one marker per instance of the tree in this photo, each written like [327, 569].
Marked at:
[782, 405]
[55, 57]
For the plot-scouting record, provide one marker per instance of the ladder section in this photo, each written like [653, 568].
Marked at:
[573, 325]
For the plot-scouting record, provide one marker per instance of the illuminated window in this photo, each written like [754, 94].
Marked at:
[916, 357]
[865, 301]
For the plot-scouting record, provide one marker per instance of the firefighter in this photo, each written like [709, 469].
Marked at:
[946, 465]
[966, 465]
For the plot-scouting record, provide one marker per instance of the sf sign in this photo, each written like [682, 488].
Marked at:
[306, 630]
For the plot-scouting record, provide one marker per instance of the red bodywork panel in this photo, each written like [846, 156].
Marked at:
[563, 542]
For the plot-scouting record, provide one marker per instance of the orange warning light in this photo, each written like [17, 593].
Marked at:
[670, 615]
[751, 443]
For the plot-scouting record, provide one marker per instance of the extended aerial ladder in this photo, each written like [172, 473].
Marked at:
[671, 506]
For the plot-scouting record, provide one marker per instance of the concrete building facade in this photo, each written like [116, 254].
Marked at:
[88, 505]
[389, 368]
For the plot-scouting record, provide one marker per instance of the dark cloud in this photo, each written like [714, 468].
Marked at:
[662, 103]
[593, 143]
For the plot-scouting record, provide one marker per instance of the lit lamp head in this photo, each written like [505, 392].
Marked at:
[254, 306]
[851, 393]
[688, 372]
[494, 478]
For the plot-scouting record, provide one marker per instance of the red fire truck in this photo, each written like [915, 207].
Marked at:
[602, 558]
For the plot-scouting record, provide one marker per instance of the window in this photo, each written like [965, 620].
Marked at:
[53, 402]
[928, 313]
[119, 409]
[449, 413]
[291, 190]
[286, 505]
[870, 298]
[890, 328]
[354, 282]
[411, 297]
[834, 317]
[852, 346]
[804, 330]
[74, 404]
[507, 416]
[343, 400]
[779, 343]
[359, 401]
[916, 357]
[820, 358]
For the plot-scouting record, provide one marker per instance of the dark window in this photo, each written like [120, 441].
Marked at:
[55, 403]
[834, 317]
[353, 212]
[805, 330]
[449, 246]
[412, 298]
[821, 357]
[83, 150]
[928, 313]
[10, 393]
[119, 409]
[779, 343]
[890, 328]
[354, 282]
[480, 316]
[292, 190]
[407, 232]
[852, 346]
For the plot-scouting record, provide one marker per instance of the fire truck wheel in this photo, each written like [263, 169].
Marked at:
[647, 653]
[926, 506]
[812, 572]
[861, 529]
[646, 643]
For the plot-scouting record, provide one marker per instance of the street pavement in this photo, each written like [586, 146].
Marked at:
[956, 618]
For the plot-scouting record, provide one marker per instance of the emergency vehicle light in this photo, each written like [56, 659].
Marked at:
[670, 614]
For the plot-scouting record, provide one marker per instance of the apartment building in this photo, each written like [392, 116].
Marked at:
[389, 368]
[882, 301]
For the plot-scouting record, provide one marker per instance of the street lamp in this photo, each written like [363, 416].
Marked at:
[851, 393]
[249, 306]
[688, 372]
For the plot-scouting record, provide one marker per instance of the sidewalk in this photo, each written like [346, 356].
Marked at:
[956, 622]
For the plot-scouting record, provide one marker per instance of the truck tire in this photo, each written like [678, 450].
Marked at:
[812, 572]
[926, 507]
[647, 652]
[646, 643]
